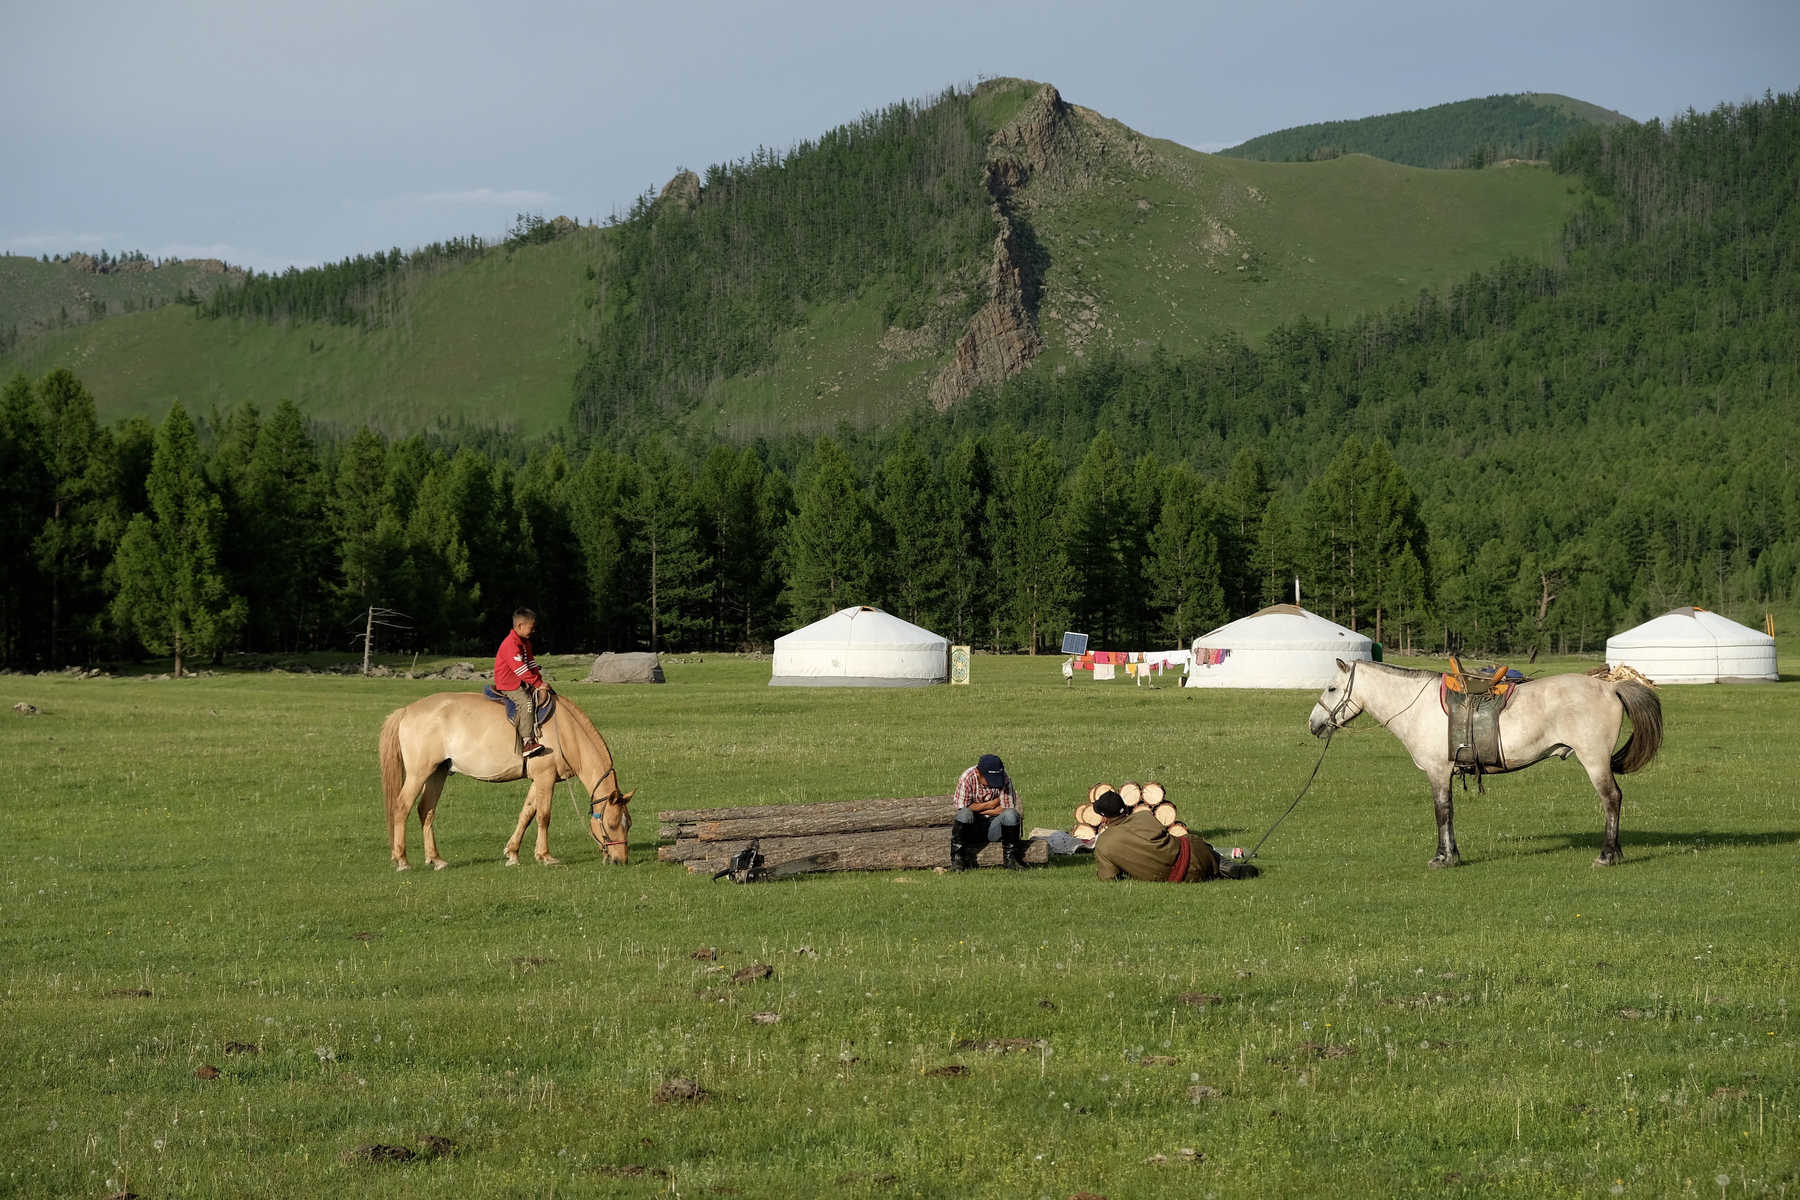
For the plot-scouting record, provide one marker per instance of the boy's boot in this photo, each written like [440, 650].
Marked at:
[1012, 849]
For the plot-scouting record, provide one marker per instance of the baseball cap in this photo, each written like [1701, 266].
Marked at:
[1109, 804]
[993, 771]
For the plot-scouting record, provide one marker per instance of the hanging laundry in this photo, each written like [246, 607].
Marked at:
[1103, 670]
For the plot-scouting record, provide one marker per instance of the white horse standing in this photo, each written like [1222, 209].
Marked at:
[1553, 717]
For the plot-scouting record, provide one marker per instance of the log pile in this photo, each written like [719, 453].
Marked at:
[859, 835]
[1151, 795]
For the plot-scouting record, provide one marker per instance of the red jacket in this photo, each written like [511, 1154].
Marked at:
[514, 667]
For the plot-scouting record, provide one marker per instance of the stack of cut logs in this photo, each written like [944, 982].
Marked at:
[1135, 795]
[859, 835]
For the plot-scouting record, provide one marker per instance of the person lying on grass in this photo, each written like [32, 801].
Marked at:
[1134, 845]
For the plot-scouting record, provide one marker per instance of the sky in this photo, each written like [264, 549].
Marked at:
[277, 133]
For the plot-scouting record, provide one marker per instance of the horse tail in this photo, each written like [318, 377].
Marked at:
[1645, 710]
[393, 767]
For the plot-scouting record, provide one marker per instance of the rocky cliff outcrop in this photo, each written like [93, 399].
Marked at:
[1002, 337]
[1047, 142]
[683, 191]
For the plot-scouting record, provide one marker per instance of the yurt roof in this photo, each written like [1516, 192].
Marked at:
[860, 625]
[1688, 626]
[1283, 627]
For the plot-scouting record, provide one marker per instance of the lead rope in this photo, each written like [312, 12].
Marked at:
[1331, 729]
[1290, 808]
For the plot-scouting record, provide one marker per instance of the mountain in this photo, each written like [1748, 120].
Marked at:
[1466, 133]
[895, 262]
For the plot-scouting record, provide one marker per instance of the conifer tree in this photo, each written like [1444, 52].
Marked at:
[909, 497]
[172, 595]
[1033, 580]
[829, 547]
[24, 491]
[969, 593]
[1184, 570]
[597, 495]
[368, 534]
[674, 587]
[283, 493]
[82, 523]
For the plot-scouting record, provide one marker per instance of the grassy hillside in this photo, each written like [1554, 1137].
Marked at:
[37, 296]
[1159, 246]
[494, 342]
[1205, 244]
[1528, 126]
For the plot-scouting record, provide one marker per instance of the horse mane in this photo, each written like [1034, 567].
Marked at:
[1414, 672]
[567, 707]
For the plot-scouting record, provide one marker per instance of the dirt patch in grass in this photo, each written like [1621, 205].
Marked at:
[679, 1090]
[206, 1071]
[949, 1071]
[1200, 999]
[131, 993]
[242, 1048]
[1001, 1045]
[378, 1152]
[754, 972]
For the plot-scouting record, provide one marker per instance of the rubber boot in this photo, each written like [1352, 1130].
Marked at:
[961, 857]
[1012, 849]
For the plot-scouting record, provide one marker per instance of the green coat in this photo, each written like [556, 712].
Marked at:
[1137, 847]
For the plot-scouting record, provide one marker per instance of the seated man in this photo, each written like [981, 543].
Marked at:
[987, 810]
[1138, 847]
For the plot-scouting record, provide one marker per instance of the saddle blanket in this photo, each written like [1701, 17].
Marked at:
[545, 710]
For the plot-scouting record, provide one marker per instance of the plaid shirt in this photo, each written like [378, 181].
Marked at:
[972, 789]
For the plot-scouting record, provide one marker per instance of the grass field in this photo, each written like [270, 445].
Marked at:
[196, 863]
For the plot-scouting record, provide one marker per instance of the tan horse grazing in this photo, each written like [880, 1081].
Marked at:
[464, 732]
[1552, 717]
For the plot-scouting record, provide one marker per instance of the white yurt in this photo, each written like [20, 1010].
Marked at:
[1692, 645]
[1283, 646]
[860, 647]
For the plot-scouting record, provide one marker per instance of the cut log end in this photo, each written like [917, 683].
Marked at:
[1085, 832]
[1154, 793]
[1178, 830]
[1131, 793]
[1165, 813]
[1098, 790]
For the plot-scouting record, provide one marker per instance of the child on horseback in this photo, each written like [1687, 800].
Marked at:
[516, 676]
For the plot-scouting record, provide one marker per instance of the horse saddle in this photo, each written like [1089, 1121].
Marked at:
[748, 865]
[1474, 701]
[545, 710]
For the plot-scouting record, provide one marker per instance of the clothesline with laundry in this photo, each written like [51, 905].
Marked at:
[1138, 664]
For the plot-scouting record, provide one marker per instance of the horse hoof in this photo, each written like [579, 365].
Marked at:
[549, 860]
[438, 864]
[1441, 863]
[512, 860]
[1609, 860]
[401, 864]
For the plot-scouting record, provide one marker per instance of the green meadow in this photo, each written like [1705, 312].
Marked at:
[214, 984]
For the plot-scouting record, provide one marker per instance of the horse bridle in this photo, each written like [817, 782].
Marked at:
[595, 814]
[1331, 714]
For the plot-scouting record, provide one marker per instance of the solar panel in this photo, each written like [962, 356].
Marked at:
[1074, 643]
